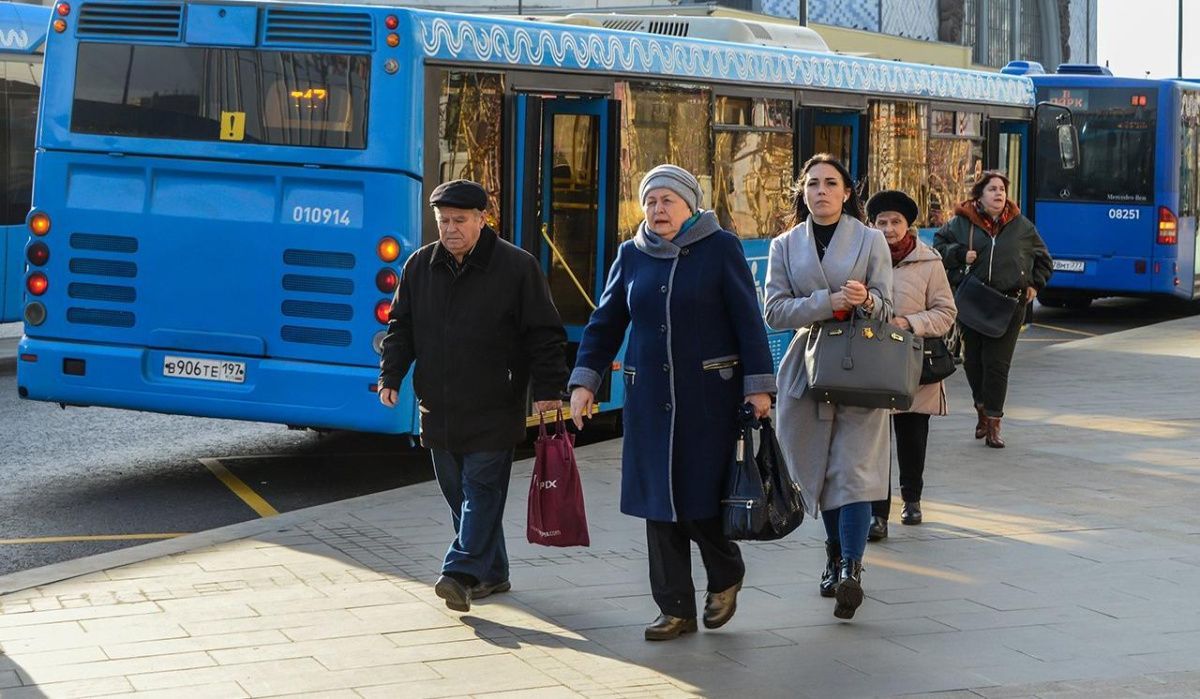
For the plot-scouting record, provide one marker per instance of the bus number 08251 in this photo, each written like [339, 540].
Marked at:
[321, 215]
[1124, 214]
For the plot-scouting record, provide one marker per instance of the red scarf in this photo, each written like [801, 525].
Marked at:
[973, 211]
[902, 247]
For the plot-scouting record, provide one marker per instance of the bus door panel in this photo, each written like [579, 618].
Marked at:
[839, 133]
[1009, 152]
[1189, 263]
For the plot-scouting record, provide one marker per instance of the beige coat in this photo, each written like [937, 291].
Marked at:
[921, 294]
[838, 454]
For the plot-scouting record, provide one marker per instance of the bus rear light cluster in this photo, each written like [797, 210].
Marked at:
[382, 309]
[386, 280]
[391, 22]
[393, 40]
[35, 313]
[1168, 227]
[38, 253]
[37, 283]
[388, 249]
[60, 25]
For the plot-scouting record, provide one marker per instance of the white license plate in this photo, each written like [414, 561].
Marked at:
[1068, 265]
[204, 369]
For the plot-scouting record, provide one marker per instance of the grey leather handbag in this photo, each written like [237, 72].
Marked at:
[864, 362]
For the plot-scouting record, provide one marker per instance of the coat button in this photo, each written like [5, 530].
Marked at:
[666, 367]
[685, 251]
[667, 407]
[663, 288]
[662, 328]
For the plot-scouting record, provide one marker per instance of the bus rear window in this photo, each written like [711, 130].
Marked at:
[208, 94]
[1116, 146]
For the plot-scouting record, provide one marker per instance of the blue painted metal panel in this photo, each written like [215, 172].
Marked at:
[222, 25]
[23, 27]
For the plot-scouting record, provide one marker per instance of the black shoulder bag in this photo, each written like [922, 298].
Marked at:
[980, 307]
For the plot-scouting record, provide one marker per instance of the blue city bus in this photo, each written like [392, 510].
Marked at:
[1122, 223]
[22, 34]
[225, 192]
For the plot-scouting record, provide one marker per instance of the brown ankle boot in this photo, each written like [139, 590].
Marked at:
[993, 433]
[981, 424]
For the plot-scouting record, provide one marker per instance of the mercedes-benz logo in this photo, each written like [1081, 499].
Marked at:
[1064, 193]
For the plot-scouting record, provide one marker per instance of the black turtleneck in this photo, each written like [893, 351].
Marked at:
[823, 235]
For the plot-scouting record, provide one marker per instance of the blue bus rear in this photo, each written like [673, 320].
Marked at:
[22, 32]
[1120, 224]
[220, 228]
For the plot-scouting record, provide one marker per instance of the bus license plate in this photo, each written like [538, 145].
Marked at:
[1068, 265]
[204, 369]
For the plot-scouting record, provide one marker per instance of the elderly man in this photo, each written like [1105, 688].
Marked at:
[475, 314]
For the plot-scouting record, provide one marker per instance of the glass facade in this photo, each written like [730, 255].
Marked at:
[469, 132]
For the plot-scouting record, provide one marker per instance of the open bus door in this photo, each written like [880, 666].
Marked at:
[565, 203]
[1009, 152]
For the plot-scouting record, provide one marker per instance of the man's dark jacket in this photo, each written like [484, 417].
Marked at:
[476, 337]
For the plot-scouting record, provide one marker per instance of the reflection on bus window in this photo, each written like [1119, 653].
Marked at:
[753, 163]
[1116, 148]
[1189, 154]
[20, 89]
[469, 133]
[280, 98]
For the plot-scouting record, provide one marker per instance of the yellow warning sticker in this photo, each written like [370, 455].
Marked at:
[233, 126]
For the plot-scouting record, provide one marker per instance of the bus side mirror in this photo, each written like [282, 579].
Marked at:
[1068, 146]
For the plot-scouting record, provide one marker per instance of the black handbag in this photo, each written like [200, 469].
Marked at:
[980, 307]
[864, 362]
[763, 503]
[937, 363]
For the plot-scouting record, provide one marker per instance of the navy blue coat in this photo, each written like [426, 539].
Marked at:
[697, 346]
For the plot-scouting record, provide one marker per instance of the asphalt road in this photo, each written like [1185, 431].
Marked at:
[85, 480]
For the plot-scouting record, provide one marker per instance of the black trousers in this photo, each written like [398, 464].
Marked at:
[670, 553]
[987, 360]
[912, 438]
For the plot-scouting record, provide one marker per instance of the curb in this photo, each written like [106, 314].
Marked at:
[57, 572]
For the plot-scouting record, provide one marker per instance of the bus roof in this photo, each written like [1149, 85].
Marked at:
[23, 27]
[514, 42]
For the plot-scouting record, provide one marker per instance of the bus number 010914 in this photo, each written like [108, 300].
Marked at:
[320, 215]
[1124, 214]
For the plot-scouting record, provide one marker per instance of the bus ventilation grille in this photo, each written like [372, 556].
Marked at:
[103, 20]
[318, 285]
[668, 28]
[96, 316]
[305, 28]
[102, 292]
[316, 258]
[315, 336]
[318, 310]
[102, 268]
[103, 243]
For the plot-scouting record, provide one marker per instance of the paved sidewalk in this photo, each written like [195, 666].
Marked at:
[10, 335]
[1066, 565]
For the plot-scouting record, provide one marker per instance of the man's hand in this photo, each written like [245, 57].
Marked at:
[388, 396]
[761, 403]
[1030, 294]
[543, 406]
[581, 405]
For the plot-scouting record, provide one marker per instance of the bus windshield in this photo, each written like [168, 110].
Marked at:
[278, 98]
[1116, 146]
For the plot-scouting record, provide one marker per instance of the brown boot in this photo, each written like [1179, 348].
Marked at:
[981, 424]
[993, 433]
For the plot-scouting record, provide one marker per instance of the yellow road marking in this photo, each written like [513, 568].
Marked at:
[240, 489]
[1064, 330]
[90, 537]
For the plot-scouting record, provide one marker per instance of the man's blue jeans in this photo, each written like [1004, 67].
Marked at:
[475, 486]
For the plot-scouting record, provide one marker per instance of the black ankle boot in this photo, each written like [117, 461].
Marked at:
[849, 592]
[833, 565]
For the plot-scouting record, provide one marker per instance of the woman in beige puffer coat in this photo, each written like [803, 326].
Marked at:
[923, 303]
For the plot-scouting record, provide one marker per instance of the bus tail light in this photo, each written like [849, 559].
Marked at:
[39, 224]
[38, 254]
[1139, 266]
[386, 280]
[391, 22]
[63, 9]
[37, 283]
[60, 25]
[1168, 227]
[382, 309]
[35, 313]
[388, 249]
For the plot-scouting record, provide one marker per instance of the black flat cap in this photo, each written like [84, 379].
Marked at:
[459, 194]
[892, 200]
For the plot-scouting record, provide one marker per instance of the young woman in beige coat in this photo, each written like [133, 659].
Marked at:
[923, 303]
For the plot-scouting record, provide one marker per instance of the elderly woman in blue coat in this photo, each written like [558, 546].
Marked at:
[829, 266]
[697, 351]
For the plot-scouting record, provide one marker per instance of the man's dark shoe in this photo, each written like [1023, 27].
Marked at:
[911, 513]
[456, 594]
[720, 606]
[667, 627]
[483, 589]
[849, 592]
[878, 530]
[833, 565]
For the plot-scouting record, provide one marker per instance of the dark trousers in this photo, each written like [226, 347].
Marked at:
[986, 361]
[670, 553]
[912, 438]
[475, 485]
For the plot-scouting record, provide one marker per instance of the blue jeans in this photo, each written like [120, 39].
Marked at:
[849, 525]
[475, 486]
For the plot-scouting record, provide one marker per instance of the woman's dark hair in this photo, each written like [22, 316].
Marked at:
[984, 178]
[852, 207]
